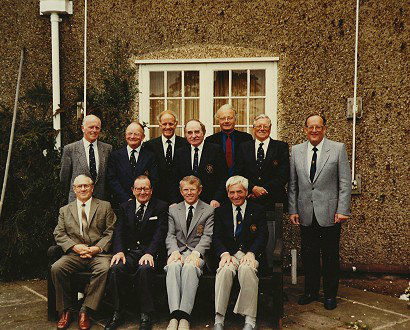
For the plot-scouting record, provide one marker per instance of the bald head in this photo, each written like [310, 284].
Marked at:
[134, 135]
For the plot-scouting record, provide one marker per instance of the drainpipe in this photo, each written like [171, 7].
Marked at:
[54, 8]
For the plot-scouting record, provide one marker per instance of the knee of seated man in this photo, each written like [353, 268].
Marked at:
[245, 268]
[102, 267]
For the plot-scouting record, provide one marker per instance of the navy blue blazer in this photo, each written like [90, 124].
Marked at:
[254, 235]
[120, 176]
[152, 231]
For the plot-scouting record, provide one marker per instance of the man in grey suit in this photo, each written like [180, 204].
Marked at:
[190, 226]
[84, 232]
[87, 156]
[319, 201]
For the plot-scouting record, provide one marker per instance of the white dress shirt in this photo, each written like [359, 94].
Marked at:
[200, 147]
[165, 144]
[137, 207]
[310, 154]
[235, 213]
[264, 147]
[87, 153]
[129, 150]
[87, 212]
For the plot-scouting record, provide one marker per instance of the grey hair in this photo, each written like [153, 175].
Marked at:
[165, 112]
[226, 106]
[262, 116]
[237, 179]
[82, 176]
[191, 179]
[89, 117]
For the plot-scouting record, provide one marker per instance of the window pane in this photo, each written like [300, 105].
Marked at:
[174, 83]
[175, 105]
[257, 82]
[191, 81]
[156, 106]
[156, 85]
[153, 132]
[221, 83]
[239, 83]
[191, 109]
[240, 106]
[217, 104]
[256, 107]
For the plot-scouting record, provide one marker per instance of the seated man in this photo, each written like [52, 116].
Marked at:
[190, 225]
[139, 232]
[84, 232]
[240, 237]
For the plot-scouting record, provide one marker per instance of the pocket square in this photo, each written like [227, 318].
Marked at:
[153, 218]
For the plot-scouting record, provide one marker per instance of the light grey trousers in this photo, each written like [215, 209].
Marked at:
[247, 301]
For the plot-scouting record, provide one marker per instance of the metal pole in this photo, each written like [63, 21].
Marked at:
[85, 58]
[55, 59]
[13, 124]
[355, 94]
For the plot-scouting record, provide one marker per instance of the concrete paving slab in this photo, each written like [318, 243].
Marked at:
[315, 321]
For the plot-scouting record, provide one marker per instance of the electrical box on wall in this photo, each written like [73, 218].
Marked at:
[56, 6]
[349, 111]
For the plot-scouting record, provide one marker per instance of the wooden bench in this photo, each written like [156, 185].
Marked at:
[270, 274]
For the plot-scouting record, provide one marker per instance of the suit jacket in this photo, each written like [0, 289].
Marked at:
[121, 177]
[152, 229]
[164, 171]
[331, 188]
[100, 228]
[239, 138]
[254, 235]
[275, 171]
[199, 235]
[74, 163]
[212, 172]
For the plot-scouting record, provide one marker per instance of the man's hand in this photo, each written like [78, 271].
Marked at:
[117, 257]
[80, 248]
[175, 256]
[226, 258]
[193, 257]
[294, 218]
[147, 259]
[249, 259]
[214, 204]
[259, 191]
[339, 218]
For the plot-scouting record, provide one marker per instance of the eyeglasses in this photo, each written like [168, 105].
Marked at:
[258, 127]
[312, 128]
[227, 118]
[145, 189]
[83, 186]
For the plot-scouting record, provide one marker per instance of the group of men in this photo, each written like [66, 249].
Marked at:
[189, 194]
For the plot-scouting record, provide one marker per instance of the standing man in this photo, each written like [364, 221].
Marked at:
[265, 163]
[125, 164]
[84, 232]
[139, 232]
[87, 156]
[164, 149]
[240, 237]
[319, 201]
[190, 225]
[205, 161]
[228, 138]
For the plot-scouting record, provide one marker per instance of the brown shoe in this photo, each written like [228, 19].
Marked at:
[65, 320]
[83, 321]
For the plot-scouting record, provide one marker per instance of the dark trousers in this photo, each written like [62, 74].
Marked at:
[316, 241]
[123, 276]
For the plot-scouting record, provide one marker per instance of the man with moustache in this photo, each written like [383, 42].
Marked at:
[164, 149]
[125, 164]
[320, 187]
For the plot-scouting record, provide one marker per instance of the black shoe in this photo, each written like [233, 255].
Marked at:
[307, 299]
[114, 322]
[330, 303]
[145, 322]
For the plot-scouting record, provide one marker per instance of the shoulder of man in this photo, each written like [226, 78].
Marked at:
[73, 145]
[278, 143]
[214, 138]
[159, 204]
[244, 136]
[104, 145]
[207, 207]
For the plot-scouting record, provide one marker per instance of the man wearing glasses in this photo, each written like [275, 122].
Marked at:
[265, 163]
[319, 201]
[125, 164]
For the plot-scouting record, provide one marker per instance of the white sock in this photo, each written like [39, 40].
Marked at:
[250, 320]
[219, 318]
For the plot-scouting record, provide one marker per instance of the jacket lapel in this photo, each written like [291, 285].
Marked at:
[93, 208]
[102, 155]
[324, 156]
[303, 155]
[147, 214]
[126, 161]
[74, 212]
[197, 215]
[82, 158]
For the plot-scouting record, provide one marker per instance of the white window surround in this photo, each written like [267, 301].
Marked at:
[206, 68]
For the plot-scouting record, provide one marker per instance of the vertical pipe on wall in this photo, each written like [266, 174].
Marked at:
[85, 58]
[55, 60]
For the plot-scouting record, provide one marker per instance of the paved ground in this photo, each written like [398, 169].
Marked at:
[23, 306]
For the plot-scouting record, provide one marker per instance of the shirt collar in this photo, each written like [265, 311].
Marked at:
[87, 143]
[87, 203]
[129, 149]
[243, 207]
[194, 205]
[265, 143]
[164, 139]
[318, 147]
[200, 147]
[137, 206]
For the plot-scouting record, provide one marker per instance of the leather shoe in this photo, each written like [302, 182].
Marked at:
[173, 324]
[83, 321]
[114, 322]
[330, 303]
[65, 320]
[307, 299]
[145, 322]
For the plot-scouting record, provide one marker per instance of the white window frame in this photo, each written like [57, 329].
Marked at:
[206, 69]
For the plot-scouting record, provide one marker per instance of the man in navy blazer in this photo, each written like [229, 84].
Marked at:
[240, 237]
[138, 236]
[164, 149]
[228, 138]
[206, 161]
[265, 163]
[125, 164]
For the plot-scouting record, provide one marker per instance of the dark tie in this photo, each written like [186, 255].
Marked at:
[313, 164]
[139, 214]
[133, 162]
[85, 224]
[261, 156]
[168, 156]
[228, 150]
[238, 223]
[93, 167]
[189, 217]
[196, 162]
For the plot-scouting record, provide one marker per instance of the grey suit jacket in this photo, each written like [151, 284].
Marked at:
[101, 225]
[199, 235]
[330, 191]
[74, 163]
